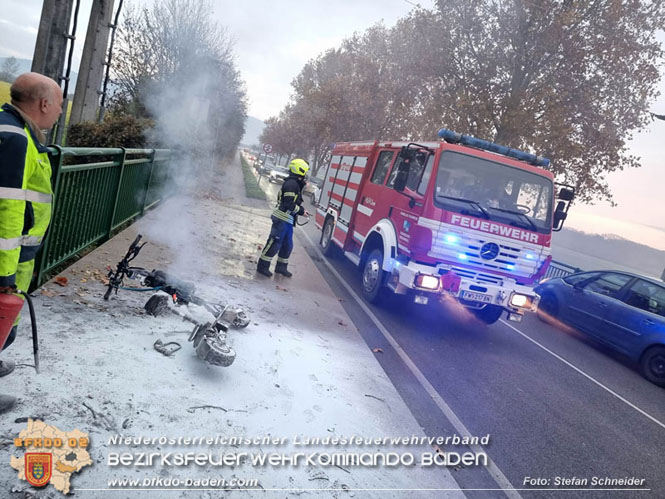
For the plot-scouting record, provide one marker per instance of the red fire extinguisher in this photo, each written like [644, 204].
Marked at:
[10, 306]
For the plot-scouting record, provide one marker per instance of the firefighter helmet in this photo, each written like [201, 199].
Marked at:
[299, 167]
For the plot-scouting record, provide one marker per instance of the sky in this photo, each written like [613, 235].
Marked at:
[273, 40]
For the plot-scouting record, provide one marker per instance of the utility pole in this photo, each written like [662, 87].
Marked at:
[51, 47]
[91, 72]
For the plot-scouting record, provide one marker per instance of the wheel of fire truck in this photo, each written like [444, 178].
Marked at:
[326, 242]
[489, 314]
[374, 276]
[548, 308]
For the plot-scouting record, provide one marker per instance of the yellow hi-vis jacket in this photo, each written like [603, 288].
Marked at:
[26, 195]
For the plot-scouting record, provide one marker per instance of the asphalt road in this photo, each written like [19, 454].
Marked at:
[553, 403]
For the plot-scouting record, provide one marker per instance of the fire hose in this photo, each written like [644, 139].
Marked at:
[10, 307]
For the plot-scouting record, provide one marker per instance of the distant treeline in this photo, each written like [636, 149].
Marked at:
[622, 252]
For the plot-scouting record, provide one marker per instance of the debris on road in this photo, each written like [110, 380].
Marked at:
[164, 349]
[192, 409]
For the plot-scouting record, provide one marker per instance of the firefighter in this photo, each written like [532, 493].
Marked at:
[25, 186]
[284, 217]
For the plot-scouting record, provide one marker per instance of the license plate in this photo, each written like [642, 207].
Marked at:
[468, 295]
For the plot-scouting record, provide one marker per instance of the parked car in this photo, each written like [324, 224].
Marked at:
[623, 310]
[278, 174]
[313, 188]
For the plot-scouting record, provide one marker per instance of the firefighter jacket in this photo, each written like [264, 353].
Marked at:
[25, 193]
[289, 200]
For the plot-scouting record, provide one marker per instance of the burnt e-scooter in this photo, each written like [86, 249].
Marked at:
[209, 338]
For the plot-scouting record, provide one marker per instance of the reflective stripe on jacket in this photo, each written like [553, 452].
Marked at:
[289, 200]
[26, 193]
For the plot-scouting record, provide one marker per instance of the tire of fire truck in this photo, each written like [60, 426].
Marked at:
[374, 277]
[326, 242]
[488, 314]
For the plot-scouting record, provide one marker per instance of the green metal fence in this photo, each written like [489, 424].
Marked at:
[102, 191]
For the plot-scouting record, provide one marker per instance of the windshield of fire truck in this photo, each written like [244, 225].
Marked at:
[505, 194]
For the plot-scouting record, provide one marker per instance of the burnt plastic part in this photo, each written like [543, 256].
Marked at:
[157, 305]
[235, 316]
[184, 291]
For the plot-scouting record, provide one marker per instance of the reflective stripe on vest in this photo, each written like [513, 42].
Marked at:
[10, 244]
[13, 129]
[17, 242]
[25, 195]
[282, 215]
[31, 240]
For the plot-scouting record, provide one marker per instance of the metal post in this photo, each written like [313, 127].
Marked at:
[51, 46]
[147, 185]
[91, 72]
[117, 192]
[40, 264]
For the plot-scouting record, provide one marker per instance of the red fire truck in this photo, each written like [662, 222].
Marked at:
[462, 218]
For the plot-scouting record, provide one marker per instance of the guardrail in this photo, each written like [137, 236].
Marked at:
[92, 199]
[560, 269]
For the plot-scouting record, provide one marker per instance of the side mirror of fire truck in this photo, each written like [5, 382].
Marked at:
[565, 197]
[560, 215]
[566, 194]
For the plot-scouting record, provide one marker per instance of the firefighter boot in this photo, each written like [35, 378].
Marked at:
[264, 268]
[6, 402]
[280, 268]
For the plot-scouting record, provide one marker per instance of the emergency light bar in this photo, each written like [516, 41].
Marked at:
[486, 145]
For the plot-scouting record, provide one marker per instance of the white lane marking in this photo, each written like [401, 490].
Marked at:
[492, 468]
[590, 378]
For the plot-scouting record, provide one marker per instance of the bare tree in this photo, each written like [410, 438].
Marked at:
[565, 79]
[9, 70]
[175, 64]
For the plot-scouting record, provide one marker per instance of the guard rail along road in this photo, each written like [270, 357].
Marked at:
[96, 191]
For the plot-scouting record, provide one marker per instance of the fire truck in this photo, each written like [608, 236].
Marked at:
[463, 219]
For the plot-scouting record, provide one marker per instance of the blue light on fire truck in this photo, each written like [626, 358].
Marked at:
[486, 145]
[451, 238]
[510, 267]
[462, 256]
[530, 256]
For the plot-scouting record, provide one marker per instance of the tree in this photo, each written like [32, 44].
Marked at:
[174, 64]
[568, 80]
[9, 70]
[565, 79]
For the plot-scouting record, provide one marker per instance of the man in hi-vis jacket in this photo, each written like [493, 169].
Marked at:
[25, 186]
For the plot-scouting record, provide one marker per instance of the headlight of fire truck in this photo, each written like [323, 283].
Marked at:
[522, 301]
[426, 281]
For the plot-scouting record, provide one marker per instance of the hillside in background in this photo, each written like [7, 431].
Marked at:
[253, 129]
[608, 252]
[4, 92]
[24, 66]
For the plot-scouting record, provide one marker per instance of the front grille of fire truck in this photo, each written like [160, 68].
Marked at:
[465, 249]
[477, 276]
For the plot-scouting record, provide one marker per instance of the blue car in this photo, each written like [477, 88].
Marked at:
[625, 311]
